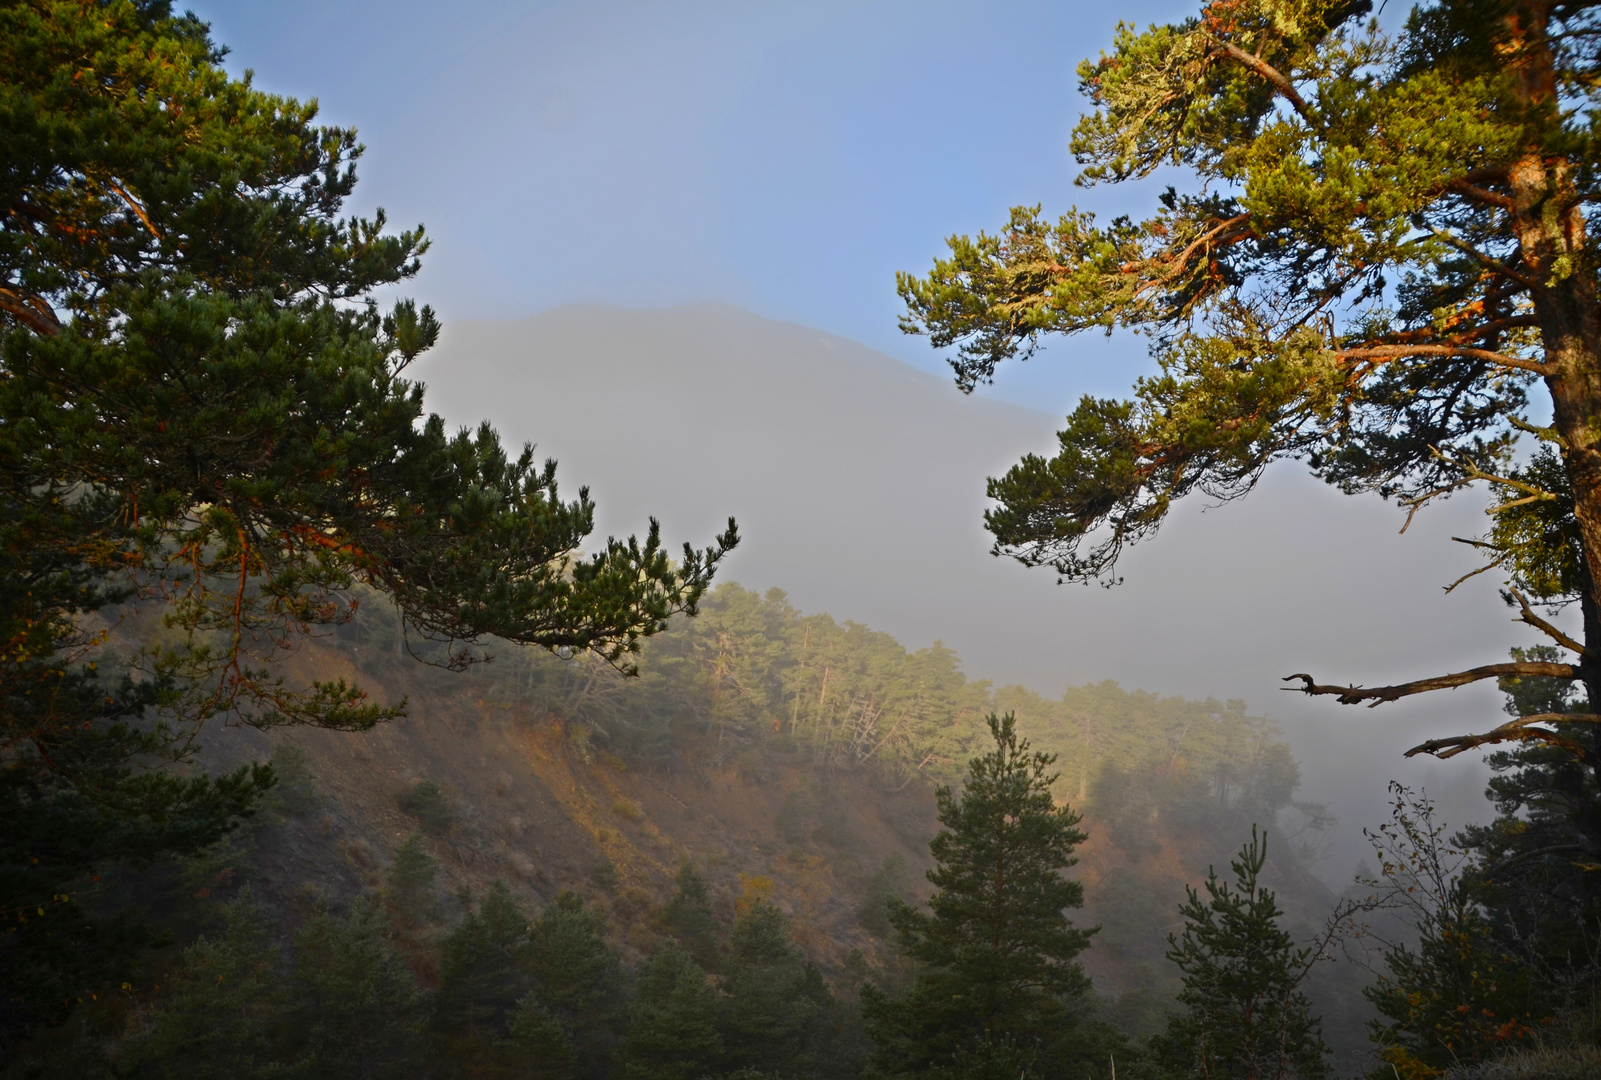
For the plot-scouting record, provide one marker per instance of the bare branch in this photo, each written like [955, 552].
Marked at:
[1519, 730]
[1355, 695]
[1530, 618]
[1420, 501]
[32, 311]
[1471, 574]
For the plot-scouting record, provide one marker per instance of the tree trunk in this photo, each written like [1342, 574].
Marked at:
[1548, 220]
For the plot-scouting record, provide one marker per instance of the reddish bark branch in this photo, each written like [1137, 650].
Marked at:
[1396, 352]
[32, 311]
[1280, 82]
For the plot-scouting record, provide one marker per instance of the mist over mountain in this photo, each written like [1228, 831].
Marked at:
[858, 483]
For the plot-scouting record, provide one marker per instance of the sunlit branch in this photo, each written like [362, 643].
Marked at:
[32, 311]
[1355, 695]
[1529, 618]
[1482, 330]
[1483, 195]
[1519, 730]
[1280, 82]
[1398, 352]
[1206, 239]
[133, 205]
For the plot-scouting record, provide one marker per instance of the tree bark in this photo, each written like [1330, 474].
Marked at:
[1550, 228]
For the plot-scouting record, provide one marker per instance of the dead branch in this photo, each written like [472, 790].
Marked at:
[1529, 618]
[1355, 695]
[1471, 574]
[1519, 730]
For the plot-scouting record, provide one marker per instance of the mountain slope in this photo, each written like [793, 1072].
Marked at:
[858, 483]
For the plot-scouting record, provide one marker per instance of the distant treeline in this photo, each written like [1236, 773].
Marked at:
[752, 675]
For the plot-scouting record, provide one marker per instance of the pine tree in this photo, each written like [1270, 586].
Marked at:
[1000, 990]
[688, 917]
[356, 1005]
[482, 974]
[1369, 249]
[537, 1045]
[776, 1014]
[411, 877]
[201, 403]
[222, 1017]
[1244, 1015]
[577, 979]
[1534, 865]
[887, 883]
[672, 1023]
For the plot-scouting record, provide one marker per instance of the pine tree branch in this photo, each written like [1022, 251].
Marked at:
[1355, 695]
[1280, 82]
[1480, 194]
[1528, 617]
[1554, 849]
[1518, 730]
[32, 311]
[1493, 263]
[1397, 352]
[1429, 335]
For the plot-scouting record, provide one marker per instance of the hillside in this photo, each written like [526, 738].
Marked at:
[858, 482]
[784, 755]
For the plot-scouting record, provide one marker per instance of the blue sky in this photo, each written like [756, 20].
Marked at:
[783, 157]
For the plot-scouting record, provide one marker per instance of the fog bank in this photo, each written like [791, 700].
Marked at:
[858, 483]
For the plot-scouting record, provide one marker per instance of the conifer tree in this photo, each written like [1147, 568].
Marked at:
[222, 1017]
[411, 877]
[356, 1006]
[1372, 251]
[1243, 1014]
[537, 1045]
[482, 973]
[776, 1015]
[688, 917]
[887, 883]
[202, 405]
[672, 1022]
[577, 980]
[1000, 990]
[1534, 865]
